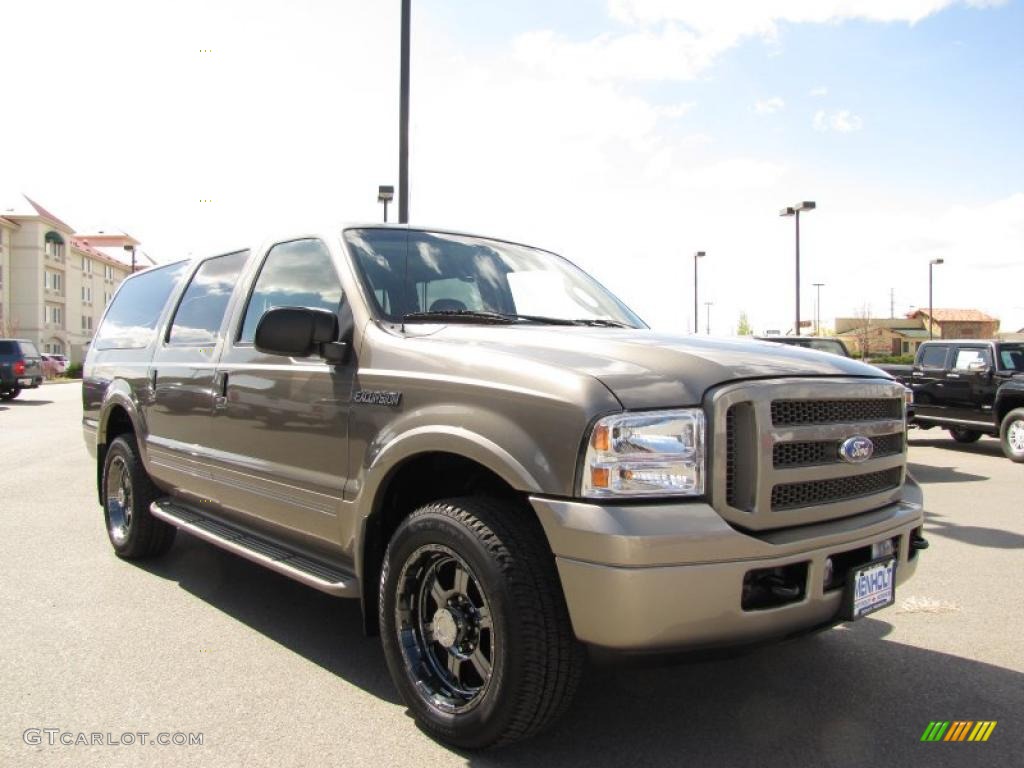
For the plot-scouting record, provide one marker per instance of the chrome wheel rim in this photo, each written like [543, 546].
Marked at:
[443, 621]
[119, 500]
[1015, 436]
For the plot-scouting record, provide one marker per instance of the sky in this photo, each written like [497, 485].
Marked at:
[624, 134]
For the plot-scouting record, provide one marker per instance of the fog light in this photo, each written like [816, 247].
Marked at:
[829, 571]
[881, 549]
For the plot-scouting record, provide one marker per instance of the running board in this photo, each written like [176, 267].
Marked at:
[326, 578]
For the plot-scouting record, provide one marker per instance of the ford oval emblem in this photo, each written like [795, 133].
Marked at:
[856, 449]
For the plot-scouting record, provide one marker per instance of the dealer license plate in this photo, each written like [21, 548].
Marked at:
[871, 587]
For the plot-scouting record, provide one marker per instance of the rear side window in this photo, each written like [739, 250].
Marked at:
[8, 348]
[201, 310]
[967, 355]
[298, 273]
[933, 357]
[130, 322]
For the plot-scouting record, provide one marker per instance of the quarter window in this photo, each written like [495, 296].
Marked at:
[201, 310]
[298, 273]
[964, 358]
[130, 323]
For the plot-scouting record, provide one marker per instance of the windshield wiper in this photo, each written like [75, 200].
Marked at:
[445, 315]
[601, 322]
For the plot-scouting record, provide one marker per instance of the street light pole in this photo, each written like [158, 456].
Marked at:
[817, 309]
[794, 210]
[403, 118]
[707, 327]
[696, 323]
[385, 194]
[931, 316]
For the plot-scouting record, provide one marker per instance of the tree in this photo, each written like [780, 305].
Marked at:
[744, 328]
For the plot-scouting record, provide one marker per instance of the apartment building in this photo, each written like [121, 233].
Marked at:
[54, 283]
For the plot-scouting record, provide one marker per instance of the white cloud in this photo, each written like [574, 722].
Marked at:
[841, 121]
[674, 111]
[819, 92]
[768, 106]
[676, 40]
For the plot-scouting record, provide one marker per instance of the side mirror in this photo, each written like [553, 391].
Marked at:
[977, 366]
[300, 332]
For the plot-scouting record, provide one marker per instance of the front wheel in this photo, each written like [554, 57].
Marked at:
[964, 435]
[474, 624]
[1011, 435]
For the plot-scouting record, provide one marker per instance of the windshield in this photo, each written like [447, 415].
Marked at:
[432, 277]
[1011, 357]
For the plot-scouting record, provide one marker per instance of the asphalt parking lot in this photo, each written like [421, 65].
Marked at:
[273, 673]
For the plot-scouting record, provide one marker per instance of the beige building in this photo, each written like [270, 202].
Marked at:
[54, 284]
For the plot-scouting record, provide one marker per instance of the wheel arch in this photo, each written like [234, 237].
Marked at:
[417, 477]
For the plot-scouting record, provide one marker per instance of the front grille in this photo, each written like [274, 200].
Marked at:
[806, 494]
[794, 412]
[776, 460]
[818, 452]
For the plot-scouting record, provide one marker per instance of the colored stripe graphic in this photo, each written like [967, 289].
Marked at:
[958, 730]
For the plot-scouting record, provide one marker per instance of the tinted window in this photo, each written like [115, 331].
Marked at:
[8, 348]
[201, 310]
[1011, 358]
[933, 357]
[130, 323]
[294, 274]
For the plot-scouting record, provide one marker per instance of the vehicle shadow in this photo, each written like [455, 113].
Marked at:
[986, 446]
[843, 697]
[23, 403]
[323, 629]
[978, 535]
[846, 697]
[929, 473]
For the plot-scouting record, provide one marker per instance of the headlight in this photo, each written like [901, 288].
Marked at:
[658, 453]
[908, 396]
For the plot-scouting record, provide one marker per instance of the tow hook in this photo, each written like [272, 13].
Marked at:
[781, 589]
[919, 542]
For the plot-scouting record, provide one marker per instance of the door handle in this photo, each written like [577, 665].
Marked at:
[220, 397]
[952, 375]
[152, 380]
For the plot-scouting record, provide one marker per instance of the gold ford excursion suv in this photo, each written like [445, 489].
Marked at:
[497, 458]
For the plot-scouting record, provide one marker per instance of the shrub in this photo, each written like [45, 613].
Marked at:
[892, 359]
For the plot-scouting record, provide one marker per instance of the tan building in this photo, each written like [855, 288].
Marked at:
[54, 284]
[959, 323]
[875, 337]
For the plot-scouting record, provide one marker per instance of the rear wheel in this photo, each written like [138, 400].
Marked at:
[1011, 435]
[474, 624]
[10, 394]
[964, 435]
[127, 493]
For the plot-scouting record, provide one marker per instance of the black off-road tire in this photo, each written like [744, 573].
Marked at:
[964, 435]
[142, 536]
[10, 394]
[1012, 427]
[538, 662]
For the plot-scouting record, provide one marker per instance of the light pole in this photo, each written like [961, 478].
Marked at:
[931, 317]
[707, 327]
[817, 309]
[794, 210]
[131, 248]
[403, 118]
[385, 194]
[696, 323]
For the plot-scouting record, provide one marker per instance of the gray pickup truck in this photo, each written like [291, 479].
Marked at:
[498, 458]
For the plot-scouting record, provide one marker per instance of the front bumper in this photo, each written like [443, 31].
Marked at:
[670, 576]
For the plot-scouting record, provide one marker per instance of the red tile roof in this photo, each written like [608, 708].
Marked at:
[47, 215]
[956, 316]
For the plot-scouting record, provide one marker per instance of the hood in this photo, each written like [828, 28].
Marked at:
[645, 369]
